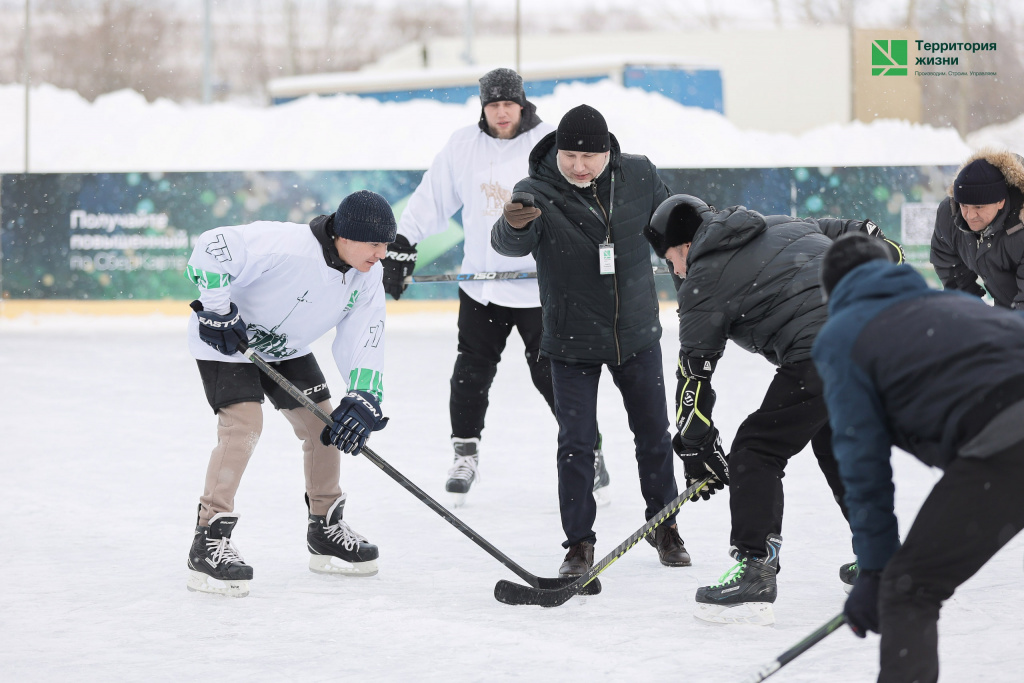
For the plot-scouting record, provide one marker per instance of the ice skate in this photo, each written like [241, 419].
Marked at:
[464, 470]
[848, 574]
[335, 548]
[745, 593]
[602, 493]
[215, 566]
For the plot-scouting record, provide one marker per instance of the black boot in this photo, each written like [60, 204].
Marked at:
[578, 560]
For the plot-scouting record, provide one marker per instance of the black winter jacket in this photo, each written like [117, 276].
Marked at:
[588, 316]
[754, 279]
[961, 255]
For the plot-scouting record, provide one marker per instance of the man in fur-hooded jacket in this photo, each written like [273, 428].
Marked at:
[979, 230]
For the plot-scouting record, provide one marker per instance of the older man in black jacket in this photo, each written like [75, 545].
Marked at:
[751, 279]
[582, 218]
[979, 230]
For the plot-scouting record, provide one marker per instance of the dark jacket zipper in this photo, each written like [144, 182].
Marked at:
[615, 280]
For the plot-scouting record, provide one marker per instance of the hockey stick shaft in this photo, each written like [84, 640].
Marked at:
[404, 481]
[496, 275]
[515, 594]
[803, 646]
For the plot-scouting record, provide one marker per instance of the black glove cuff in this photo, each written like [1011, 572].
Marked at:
[697, 368]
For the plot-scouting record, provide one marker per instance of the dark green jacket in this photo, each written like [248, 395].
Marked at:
[588, 316]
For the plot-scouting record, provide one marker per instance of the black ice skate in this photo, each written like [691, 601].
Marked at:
[848, 574]
[745, 593]
[214, 563]
[464, 470]
[602, 494]
[335, 548]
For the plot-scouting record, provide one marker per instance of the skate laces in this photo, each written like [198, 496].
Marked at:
[344, 534]
[733, 575]
[222, 550]
[464, 467]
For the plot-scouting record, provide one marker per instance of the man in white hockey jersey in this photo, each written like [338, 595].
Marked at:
[475, 172]
[279, 287]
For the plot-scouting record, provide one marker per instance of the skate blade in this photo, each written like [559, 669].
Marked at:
[847, 587]
[458, 499]
[328, 564]
[603, 496]
[199, 582]
[756, 613]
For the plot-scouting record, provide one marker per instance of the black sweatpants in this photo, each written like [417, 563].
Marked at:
[483, 331]
[641, 381]
[792, 414]
[973, 511]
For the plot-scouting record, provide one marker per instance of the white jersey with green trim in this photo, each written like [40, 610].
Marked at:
[289, 297]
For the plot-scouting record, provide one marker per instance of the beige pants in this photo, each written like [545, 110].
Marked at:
[238, 430]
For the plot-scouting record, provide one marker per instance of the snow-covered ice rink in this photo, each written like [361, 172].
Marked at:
[105, 440]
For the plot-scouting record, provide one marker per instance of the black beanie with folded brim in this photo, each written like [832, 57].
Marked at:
[980, 183]
[365, 216]
[583, 129]
[845, 254]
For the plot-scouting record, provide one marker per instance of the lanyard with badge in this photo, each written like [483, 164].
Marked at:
[605, 250]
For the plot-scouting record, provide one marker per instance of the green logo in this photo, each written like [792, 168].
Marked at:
[886, 56]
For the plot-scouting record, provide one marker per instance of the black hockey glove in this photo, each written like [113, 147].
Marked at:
[895, 250]
[861, 607]
[222, 332]
[701, 459]
[398, 265]
[358, 413]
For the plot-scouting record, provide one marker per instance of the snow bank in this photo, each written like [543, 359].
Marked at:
[122, 132]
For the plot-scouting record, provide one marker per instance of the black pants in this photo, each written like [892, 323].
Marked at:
[641, 381]
[483, 331]
[792, 414]
[973, 511]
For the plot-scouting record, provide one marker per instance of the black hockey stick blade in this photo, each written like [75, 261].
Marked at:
[517, 594]
[803, 646]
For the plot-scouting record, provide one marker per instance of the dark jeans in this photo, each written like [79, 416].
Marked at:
[641, 382]
[483, 331]
[973, 511]
[792, 414]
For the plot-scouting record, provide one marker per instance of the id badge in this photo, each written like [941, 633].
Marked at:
[606, 252]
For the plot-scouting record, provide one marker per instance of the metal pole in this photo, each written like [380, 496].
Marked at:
[28, 73]
[468, 55]
[519, 37]
[206, 52]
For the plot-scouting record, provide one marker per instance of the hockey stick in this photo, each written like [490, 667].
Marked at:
[293, 391]
[803, 646]
[501, 275]
[517, 594]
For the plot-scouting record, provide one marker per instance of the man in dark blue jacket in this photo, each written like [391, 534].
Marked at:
[950, 391]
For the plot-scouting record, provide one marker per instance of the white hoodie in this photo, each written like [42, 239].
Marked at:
[476, 172]
[289, 297]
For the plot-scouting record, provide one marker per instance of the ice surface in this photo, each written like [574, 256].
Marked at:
[105, 439]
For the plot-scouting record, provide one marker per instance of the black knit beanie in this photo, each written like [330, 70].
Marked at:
[583, 129]
[979, 182]
[845, 254]
[365, 216]
[502, 85]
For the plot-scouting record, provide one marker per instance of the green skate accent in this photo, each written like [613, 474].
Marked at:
[364, 379]
[206, 280]
[733, 575]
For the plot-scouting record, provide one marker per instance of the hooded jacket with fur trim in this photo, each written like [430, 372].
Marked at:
[995, 254]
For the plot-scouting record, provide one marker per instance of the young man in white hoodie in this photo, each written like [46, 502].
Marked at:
[475, 172]
[277, 288]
